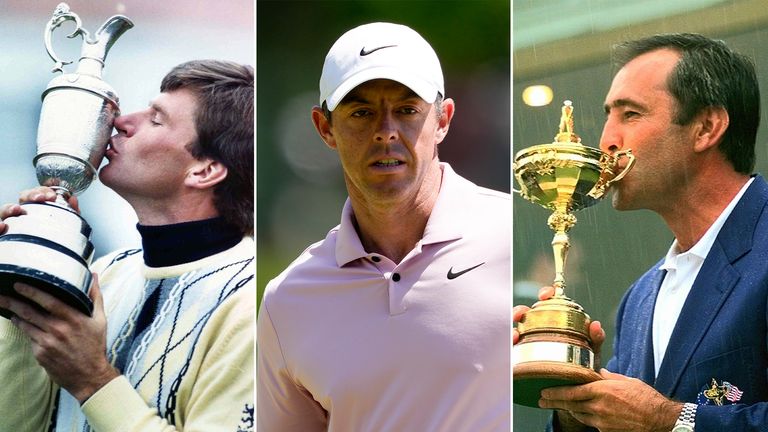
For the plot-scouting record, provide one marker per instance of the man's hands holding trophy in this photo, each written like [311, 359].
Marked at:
[597, 334]
[69, 345]
[615, 403]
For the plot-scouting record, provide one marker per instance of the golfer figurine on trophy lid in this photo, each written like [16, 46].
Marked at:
[49, 246]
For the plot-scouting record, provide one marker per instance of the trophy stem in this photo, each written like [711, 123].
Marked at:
[62, 195]
[561, 222]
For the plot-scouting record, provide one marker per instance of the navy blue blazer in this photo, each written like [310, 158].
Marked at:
[721, 333]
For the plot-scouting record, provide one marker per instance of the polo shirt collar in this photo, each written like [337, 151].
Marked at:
[445, 223]
[348, 244]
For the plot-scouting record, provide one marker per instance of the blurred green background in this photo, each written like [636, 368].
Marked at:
[300, 188]
[566, 46]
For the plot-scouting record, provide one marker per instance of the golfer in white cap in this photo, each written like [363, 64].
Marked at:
[399, 320]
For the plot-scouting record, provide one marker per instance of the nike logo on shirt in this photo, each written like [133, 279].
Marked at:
[452, 275]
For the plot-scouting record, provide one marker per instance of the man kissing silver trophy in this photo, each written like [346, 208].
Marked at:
[49, 246]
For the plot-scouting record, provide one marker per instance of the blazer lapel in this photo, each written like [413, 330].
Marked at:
[644, 368]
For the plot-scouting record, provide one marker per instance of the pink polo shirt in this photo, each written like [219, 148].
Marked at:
[351, 341]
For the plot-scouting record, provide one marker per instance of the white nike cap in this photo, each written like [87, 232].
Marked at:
[380, 51]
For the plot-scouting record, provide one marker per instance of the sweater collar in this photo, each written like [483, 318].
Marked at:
[168, 245]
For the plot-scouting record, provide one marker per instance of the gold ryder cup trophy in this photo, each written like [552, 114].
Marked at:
[49, 246]
[564, 176]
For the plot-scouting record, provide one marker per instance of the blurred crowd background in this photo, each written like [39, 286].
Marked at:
[299, 183]
[165, 34]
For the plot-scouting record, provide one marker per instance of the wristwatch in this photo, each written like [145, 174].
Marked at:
[685, 422]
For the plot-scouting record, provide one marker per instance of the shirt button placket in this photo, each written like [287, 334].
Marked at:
[397, 292]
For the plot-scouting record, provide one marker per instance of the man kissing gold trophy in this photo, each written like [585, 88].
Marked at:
[49, 246]
[564, 176]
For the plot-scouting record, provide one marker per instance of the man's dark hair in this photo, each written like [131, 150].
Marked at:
[709, 74]
[224, 122]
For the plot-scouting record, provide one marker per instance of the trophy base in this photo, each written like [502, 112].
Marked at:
[48, 247]
[47, 282]
[529, 379]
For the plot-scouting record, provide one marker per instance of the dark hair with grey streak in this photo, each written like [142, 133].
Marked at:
[224, 123]
[709, 74]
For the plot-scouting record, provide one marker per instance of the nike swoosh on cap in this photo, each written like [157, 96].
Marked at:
[364, 53]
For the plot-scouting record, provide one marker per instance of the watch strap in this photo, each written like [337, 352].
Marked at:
[687, 415]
